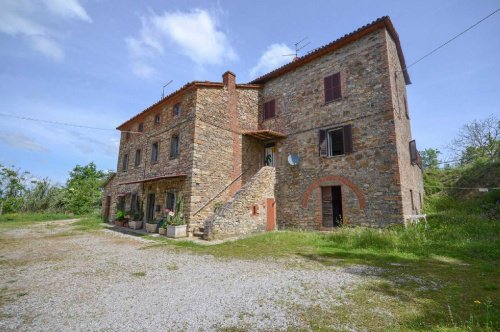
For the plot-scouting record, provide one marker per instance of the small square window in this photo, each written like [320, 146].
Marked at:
[174, 146]
[137, 157]
[157, 119]
[336, 142]
[171, 200]
[141, 127]
[176, 111]
[154, 152]
[125, 162]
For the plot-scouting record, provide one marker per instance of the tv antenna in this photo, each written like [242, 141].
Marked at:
[164, 86]
[298, 46]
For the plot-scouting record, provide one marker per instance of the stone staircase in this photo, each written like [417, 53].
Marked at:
[245, 212]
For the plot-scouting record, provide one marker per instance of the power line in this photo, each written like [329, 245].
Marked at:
[452, 39]
[464, 188]
[62, 123]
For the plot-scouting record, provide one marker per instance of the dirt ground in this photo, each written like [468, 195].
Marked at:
[54, 278]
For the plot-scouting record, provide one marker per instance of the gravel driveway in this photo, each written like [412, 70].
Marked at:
[54, 280]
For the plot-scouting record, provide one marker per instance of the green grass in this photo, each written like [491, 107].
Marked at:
[14, 220]
[88, 223]
[441, 278]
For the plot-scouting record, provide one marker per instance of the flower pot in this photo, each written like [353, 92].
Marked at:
[135, 224]
[151, 228]
[176, 231]
[162, 231]
[119, 223]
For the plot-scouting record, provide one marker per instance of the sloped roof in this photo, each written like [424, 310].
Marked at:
[178, 92]
[381, 23]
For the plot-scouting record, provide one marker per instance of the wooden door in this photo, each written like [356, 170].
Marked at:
[151, 207]
[326, 206]
[331, 206]
[271, 214]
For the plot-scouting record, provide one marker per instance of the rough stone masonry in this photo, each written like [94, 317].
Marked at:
[341, 111]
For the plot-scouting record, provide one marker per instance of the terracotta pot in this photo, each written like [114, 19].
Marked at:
[162, 231]
[119, 223]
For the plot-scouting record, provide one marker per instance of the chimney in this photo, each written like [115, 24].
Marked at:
[229, 79]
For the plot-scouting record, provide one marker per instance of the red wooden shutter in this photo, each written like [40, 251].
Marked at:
[323, 144]
[348, 139]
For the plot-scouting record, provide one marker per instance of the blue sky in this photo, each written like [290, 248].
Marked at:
[99, 62]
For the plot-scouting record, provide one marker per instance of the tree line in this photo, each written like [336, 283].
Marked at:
[20, 191]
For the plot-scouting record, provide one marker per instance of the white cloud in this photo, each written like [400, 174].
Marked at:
[143, 70]
[21, 141]
[194, 34]
[67, 9]
[271, 59]
[27, 19]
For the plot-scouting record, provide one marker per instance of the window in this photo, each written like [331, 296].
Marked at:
[141, 127]
[137, 157]
[121, 203]
[170, 200]
[154, 152]
[420, 199]
[176, 111]
[406, 108]
[133, 202]
[335, 141]
[333, 90]
[413, 152]
[269, 109]
[125, 162]
[174, 146]
[157, 119]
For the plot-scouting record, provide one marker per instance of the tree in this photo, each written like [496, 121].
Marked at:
[478, 139]
[430, 158]
[84, 189]
[12, 189]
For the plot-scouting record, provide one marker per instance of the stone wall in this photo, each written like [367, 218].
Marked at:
[410, 174]
[236, 217]
[219, 148]
[371, 170]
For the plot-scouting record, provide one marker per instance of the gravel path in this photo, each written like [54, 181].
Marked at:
[54, 280]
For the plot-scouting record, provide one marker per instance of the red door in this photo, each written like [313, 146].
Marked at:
[271, 214]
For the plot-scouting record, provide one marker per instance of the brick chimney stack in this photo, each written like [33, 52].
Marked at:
[229, 79]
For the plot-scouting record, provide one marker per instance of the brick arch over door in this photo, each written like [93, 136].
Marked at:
[334, 178]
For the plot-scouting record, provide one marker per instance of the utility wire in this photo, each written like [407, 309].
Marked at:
[61, 123]
[452, 39]
[136, 132]
[464, 188]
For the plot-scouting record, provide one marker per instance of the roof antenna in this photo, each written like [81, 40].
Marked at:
[298, 47]
[163, 92]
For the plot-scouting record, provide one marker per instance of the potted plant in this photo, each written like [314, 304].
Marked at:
[119, 218]
[152, 226]
[136, 222]
[176, 225]
[163, 227]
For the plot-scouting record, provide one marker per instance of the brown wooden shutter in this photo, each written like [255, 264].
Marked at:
[336, 86]
[328, 89]
[272, 109]
[348, 139]
[413, 152]
[323, 144]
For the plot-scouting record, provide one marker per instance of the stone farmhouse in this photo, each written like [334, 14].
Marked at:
[322, 141]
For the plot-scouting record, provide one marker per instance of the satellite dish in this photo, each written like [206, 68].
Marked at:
[293, 159]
